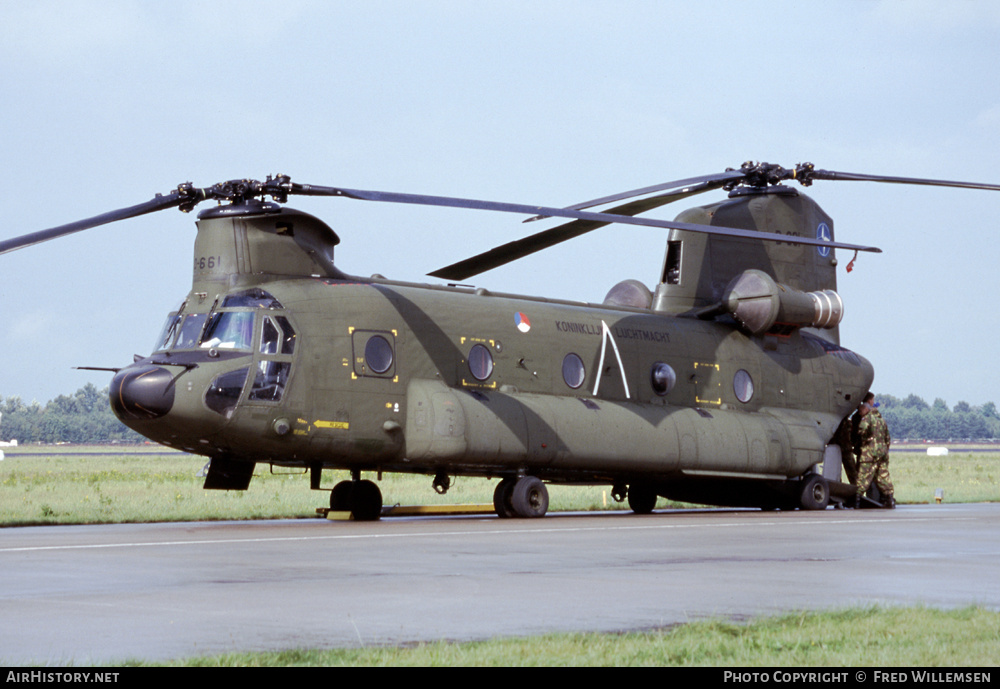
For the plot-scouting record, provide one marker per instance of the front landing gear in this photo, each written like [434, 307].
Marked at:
[642, 499]
[522, 497]
[362, 499]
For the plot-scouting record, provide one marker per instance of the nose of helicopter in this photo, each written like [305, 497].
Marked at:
[142, 392]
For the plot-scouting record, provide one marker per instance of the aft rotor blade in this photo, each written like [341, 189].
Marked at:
[449, 202]
[158, 203]
[703, 183]
[512, 251]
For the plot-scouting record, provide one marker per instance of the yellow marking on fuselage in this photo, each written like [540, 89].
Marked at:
[340, 425]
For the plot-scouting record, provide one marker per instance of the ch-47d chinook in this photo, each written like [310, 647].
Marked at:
[723, 384]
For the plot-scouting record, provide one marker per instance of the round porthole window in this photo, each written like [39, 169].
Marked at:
[378, 354]
[573, 371]
[480, 362]
[662, 377]
[743, 386]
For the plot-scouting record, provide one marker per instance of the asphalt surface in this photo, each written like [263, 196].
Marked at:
[102, 594]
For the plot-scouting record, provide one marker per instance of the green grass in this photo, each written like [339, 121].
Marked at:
[963, 476]
[89, 484]
[865, 637]
[56, 485]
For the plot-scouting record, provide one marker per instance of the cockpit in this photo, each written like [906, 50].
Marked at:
[250, 322]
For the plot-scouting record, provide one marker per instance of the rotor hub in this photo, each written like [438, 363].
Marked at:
[762, 175]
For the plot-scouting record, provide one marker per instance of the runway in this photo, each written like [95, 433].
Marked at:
[100, 594]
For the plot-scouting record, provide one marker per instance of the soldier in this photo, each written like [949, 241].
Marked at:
[873, 456]
[844, 438]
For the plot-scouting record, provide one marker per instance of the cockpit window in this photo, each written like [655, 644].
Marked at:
[269, 381]
[224, 392]
[190, 331]
[253, 298]
[229, 330]
[168, 333]
[278, 336]
[269, 338]
[287, 335]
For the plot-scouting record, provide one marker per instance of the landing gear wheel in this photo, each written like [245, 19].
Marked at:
[641, 498]
[501, 498]
[815, 493]
[366, 502]
[362, 499]
[340, 496]
[530, 497]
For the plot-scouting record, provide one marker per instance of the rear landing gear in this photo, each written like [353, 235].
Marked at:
[525, 497]
[362, 499]
[815, 493]
[501, 498]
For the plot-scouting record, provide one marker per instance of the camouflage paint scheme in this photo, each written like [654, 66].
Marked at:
[744, 418]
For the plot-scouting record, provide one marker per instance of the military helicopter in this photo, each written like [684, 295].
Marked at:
[722, 385]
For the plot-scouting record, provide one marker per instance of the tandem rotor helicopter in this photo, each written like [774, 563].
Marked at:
[721, 384]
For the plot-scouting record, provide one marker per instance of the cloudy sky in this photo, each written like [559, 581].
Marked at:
[543, 102]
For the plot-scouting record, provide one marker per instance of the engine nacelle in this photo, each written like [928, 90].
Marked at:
[761, 305]
[631, 293]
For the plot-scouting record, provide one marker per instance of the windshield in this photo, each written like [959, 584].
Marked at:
[187, 338]
[229, 330]
[180, 332]
[168, 333]
[231, 327]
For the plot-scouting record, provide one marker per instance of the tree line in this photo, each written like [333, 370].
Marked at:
[83, 417]
[912, 418]
[86, 417]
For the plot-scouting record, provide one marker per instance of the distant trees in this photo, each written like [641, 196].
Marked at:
[913, 418]
[84, 417]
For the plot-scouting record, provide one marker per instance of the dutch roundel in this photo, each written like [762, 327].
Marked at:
[522, 322]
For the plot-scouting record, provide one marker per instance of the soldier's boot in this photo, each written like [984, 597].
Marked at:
[890, 503]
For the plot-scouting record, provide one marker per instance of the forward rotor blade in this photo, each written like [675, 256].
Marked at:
[159, 203]
[449, 202]
[855, 177]
[704, 183]
[512, 251]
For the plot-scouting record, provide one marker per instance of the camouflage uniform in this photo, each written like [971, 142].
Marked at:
[873, 458]
[844, 438]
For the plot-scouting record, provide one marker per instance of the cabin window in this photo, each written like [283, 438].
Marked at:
[480, 362]
[374, 352]
[573, 371]
[378, 354]
[662, 377]
[743, 386]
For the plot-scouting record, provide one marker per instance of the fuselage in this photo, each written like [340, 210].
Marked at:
[380, 375]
